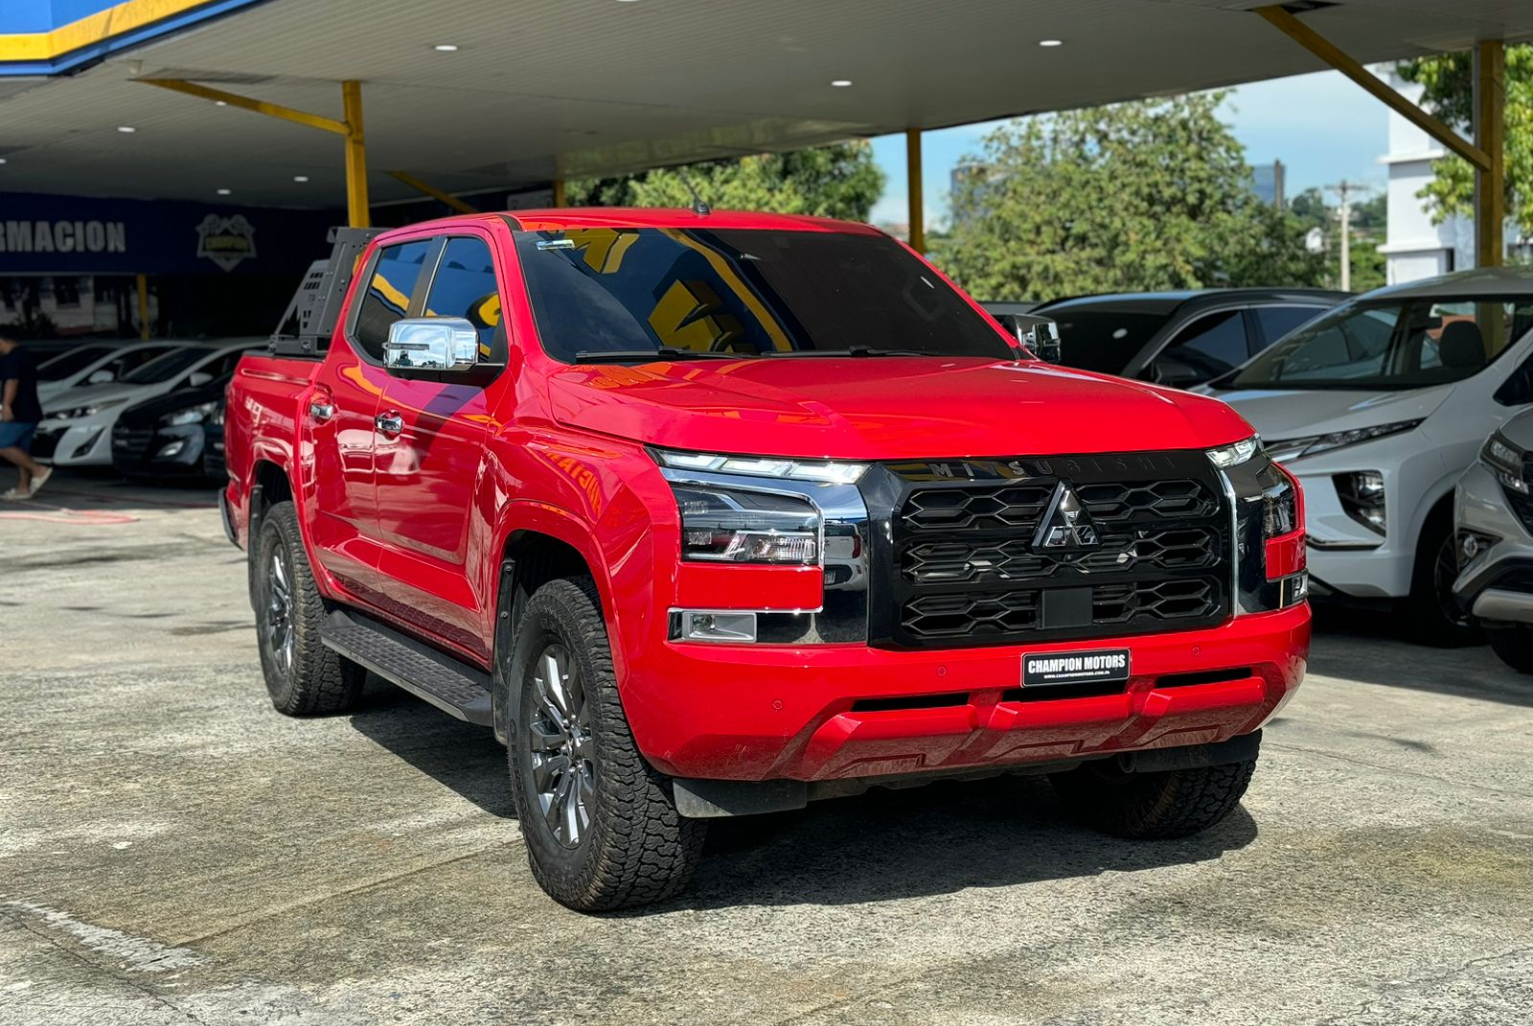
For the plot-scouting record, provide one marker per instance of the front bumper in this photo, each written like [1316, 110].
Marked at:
[1497, 584]
[844, 712]
[80, 443]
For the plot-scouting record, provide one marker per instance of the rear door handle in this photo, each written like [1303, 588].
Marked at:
[389, 424]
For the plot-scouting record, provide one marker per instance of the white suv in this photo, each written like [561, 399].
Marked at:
[1378, 406]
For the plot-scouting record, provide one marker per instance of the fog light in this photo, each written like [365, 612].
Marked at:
[729, 627]
[171, 449]
[81, 450]
[1362, 498]
[1472, 544]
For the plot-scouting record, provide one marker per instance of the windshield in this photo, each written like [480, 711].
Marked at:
[1101, 338]
[742, 293]
[1400, 344]
[163, 368]
[70, 361]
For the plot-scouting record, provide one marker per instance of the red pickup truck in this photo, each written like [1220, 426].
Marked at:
[710, 513]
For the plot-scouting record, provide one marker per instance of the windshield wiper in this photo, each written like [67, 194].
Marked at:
[850, 351]
[650, 355]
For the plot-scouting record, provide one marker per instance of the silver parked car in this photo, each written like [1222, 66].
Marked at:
[1493, 511]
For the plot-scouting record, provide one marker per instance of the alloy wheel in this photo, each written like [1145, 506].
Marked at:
[563, 751]
[279, 612]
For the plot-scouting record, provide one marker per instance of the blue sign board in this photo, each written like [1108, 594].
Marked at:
[54, 37]
[79, 235]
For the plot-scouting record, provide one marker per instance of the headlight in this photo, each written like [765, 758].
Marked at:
[731, 525]
[1269, 532]
[78, 412]
[208, 411]
[1507, 462]
[824, 472]
[1293, 448]
[1234, 454]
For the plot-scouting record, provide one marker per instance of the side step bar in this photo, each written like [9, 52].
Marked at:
[447, 683]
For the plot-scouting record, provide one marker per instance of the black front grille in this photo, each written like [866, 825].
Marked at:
[963, 567]
[44, 446]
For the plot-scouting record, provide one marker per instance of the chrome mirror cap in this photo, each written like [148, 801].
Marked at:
[447, 344]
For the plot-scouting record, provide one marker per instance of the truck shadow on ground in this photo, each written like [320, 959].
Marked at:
[878, 846]
[1372, 647]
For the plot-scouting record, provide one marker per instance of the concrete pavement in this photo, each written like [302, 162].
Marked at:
[173, 851]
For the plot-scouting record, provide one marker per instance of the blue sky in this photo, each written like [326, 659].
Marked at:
[1321, 126]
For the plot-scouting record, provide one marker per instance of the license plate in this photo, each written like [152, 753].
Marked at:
[1040, 669]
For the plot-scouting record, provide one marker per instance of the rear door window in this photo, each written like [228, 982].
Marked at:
[1277, 321]
[1210, 345]
[387, 296]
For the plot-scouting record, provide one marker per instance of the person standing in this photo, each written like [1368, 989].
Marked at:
[20, 413]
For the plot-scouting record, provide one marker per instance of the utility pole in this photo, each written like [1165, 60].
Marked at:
[1344, 192]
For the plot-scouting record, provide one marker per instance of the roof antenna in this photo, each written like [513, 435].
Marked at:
[699, 208]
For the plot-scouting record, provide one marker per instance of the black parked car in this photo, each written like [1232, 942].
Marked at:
[1179, 339]
[178, 436]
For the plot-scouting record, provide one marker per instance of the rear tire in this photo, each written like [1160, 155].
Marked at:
[303, 677]
[1435, 617]
[1514, 644]
[600, 823]
[1152, 806]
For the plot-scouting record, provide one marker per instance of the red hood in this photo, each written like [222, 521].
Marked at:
[865, 408]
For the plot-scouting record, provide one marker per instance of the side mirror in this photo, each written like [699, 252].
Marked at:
[432, 344]
[1039, 335]
[1173, 373]
[101, 377]
[196, 379]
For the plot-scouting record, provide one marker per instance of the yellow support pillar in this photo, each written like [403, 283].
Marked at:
[1490, 136]
[916, 197]
[428, 189]
[356, 156]
[143, 307]
[560, 200]
[1335, 57]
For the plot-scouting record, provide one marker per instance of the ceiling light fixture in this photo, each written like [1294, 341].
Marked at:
[126, 128]
[841, 83]
[446, 48]
[220, 103]
[2, 160]
[224, 192]
[300, 178]
[1051, 42]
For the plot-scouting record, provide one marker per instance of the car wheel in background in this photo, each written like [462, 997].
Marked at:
[1513, 643]
[600, 824]
[1434, 614]
[1149, 806]
[303, 676]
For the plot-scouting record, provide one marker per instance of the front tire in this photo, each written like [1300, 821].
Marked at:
[303, 677]
[600, 824]
[1514, 644]
[1434, 614]
[1153, 806]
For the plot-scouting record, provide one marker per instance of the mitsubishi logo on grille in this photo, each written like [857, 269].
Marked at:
[1066, 529]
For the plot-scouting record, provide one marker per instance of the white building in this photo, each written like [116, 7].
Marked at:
[1415, 247]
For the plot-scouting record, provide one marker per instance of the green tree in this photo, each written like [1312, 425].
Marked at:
[839, 180]
[1148, 195]
[1449, 93]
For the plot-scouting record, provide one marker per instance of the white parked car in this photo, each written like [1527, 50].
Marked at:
[76, 429]
[1378, 406]
[1493, 508]
[95, 363]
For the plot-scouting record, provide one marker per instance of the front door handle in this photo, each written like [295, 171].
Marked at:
[321, 406]
[389, 424]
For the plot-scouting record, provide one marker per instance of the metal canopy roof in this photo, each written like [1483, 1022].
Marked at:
[546, 87]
